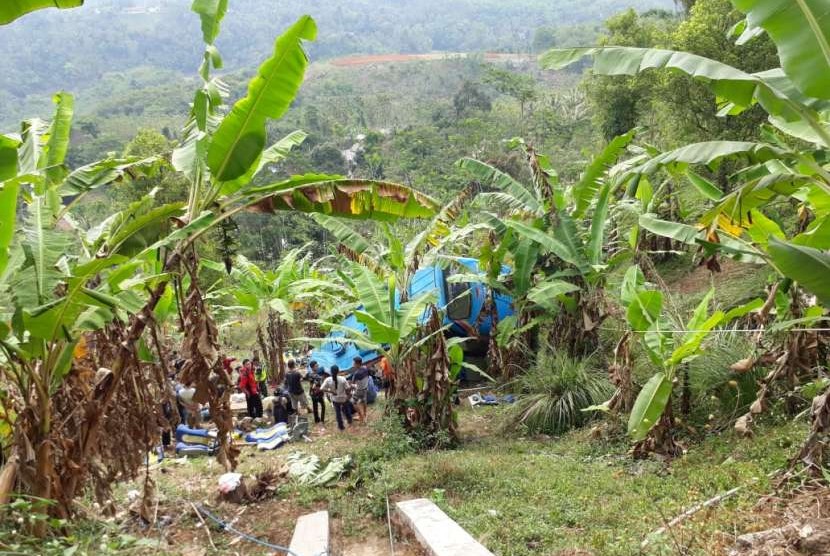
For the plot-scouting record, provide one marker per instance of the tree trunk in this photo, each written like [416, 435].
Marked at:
[263, 346]
[660, 439]
[99, 404]
[276, 338]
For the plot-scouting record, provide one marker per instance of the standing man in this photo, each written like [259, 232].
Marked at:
[318, 397]
[294, 385]
[338, 387]
[261, 377]
[248, 385]
[360, 381]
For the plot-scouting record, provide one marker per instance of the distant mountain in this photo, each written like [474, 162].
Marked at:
[51, 49]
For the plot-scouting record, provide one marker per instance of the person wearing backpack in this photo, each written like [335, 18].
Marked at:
[318, 398]
[340, 391]
[294, 385]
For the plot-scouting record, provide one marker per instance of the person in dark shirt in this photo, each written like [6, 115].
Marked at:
[318, 397]
[294, 385]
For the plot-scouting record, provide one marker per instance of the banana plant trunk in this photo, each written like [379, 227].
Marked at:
[43, 456]
[660, 439]
[276, 337]
[263, 348]
[99, 405]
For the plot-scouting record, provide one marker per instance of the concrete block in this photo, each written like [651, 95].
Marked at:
[436, 531]
[311, 535]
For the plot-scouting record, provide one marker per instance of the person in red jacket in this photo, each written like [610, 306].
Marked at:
[248, 385]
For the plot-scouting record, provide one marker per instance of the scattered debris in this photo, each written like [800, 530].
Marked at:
[233, 488]
[489, 399]
[306, 469]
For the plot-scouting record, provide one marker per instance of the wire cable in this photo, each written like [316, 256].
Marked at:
[225, 526]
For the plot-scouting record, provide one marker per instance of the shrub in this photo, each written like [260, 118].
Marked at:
[554, 391]
[710, 376]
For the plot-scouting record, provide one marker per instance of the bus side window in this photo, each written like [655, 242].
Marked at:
[460, 301]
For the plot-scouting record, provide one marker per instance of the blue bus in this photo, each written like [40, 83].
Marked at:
[462, 304]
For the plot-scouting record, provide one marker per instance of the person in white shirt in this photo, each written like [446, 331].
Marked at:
[339, 389]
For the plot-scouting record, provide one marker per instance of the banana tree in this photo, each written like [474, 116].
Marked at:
[271, 297]
[650, 422]
[221, 157]
[795, 96]
[556, 237]
[394, 255]
[53, 293]
[65, 295]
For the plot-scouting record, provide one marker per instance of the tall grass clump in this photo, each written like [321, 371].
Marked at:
[553, 392]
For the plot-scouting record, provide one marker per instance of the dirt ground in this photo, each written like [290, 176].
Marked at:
[183, 484]
[795, 525]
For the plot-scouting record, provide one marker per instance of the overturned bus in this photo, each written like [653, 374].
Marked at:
[462, 303]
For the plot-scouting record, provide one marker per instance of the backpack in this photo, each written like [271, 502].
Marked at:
[372, 392]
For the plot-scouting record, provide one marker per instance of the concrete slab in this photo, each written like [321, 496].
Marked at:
[311, 535]
[436, 531]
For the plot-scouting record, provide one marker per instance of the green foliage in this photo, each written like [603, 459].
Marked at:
[806, 265]
[470, 98]
[801, 31]
[13, 9]
[553, 393]
[240, 139]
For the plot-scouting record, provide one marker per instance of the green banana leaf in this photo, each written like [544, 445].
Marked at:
[343, 233]
[522, 197]
[525, 256]
[549, 244]
[735, 89]
[545, 294]
[211, 13]
[593, 176]
[801, 31]
[649, 406]
[372, 293]
[8, 218]
[273, 154]
[12, 9]
[807, 266]
[59, 132]
[238, 143]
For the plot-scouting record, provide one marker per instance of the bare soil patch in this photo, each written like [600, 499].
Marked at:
[796, 525]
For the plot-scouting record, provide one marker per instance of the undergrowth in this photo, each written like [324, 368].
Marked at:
[553, 393]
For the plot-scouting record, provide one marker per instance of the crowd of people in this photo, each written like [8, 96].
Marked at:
[348, 391]
[307, 388]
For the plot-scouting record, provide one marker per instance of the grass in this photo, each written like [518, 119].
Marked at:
[518, 496]
[527, 496]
